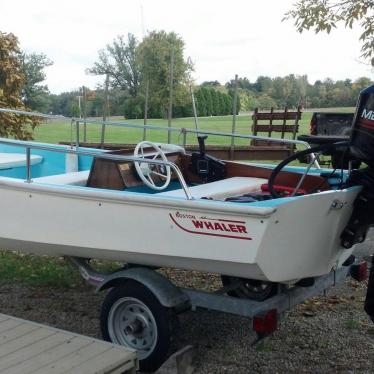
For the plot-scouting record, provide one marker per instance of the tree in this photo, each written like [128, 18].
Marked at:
[359, 84]
[301, 86]
[12, 81]
[263, 84]
[248, 100]
[221, 101]
[211, 83]
[243, 83]
[119, 60]
[66, 104]
[208, 100]
[35, 95]
[228, 104]
[265, 102]
[200, 103]
[238, 104]
[133, 108]
[215, 102]
[324, 15]
[154, 55]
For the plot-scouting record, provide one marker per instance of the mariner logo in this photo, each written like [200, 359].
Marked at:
[367, 120]
[367, 114]
[202, 225]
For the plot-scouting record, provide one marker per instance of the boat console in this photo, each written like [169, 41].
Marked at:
[205, 176]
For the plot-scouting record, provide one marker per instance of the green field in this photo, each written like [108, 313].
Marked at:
[57, 131]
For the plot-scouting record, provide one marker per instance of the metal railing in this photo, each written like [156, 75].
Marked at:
[29, 146]
[184, 131]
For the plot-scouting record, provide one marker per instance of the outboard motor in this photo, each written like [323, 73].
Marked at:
[362, 149]
[362, 134]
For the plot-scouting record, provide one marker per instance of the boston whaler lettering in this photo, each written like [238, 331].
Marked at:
[207, 226]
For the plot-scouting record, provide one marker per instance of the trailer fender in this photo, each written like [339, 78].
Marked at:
[167, 293]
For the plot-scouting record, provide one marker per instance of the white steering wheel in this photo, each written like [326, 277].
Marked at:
[148, 171]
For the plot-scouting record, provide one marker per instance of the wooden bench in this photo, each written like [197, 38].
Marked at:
[15, 160]
[28, 347]
[75, 178]
[220, 190]
[280, 123]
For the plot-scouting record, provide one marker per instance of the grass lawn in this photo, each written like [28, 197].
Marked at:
[45, 271]
[56, 131]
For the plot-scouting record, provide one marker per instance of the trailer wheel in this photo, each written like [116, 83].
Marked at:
[249, 288]
[132, 316]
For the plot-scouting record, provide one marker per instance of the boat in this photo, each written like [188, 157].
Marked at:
[157, 205]
[276, 234]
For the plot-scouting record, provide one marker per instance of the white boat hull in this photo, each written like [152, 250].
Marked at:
[294, 240]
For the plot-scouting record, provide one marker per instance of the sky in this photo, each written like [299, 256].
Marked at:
[223, 38]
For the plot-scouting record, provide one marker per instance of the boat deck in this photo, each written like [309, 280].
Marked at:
[28, 347]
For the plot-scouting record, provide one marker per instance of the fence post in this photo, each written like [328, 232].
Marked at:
[184, 132]
[284, 122]
[105, 112]
[84, 114]
[77, 134]
[170, 111]
[146, 109]
[234, 104]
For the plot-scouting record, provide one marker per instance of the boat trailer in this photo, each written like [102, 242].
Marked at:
[137, 328]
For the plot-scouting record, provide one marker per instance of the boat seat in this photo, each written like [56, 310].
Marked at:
[14, 160]
[220, 190]
[76, 178]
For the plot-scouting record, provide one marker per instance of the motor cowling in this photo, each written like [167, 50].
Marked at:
[362, 134]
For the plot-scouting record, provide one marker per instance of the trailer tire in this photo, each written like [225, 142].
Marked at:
[250, 288]
[132, 316]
